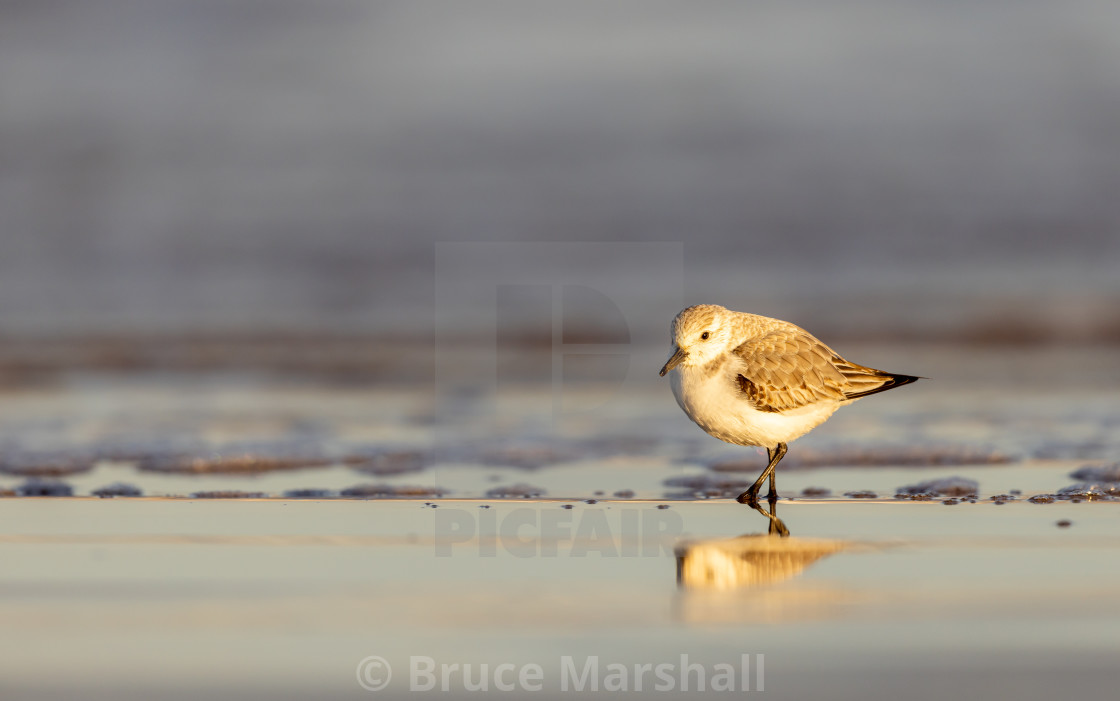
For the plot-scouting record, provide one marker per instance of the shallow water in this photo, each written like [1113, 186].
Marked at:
[286, 598]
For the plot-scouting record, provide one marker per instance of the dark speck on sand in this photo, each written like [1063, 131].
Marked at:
[367, 491]
[861, 494]
[308, 494]
[921, 496]
[946, 486]
[118, 489]
[228, 494]
[44, 488]
[1064, 523]
[1091, 491]
[515, 491]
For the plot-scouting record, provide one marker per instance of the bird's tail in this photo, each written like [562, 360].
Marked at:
[863, 381]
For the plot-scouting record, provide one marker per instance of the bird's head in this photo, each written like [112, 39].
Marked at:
[700, 334]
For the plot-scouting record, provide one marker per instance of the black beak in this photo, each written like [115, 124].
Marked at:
[676, 359]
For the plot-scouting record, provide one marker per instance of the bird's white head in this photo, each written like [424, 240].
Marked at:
[700, 334]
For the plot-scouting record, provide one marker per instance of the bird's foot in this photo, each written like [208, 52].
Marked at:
[749, 497]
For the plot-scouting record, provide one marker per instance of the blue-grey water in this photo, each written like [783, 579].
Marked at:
[923, 169]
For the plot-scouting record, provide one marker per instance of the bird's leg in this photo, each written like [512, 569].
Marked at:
[751, 495]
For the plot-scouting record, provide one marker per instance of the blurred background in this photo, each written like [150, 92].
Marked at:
[183, 182]
[225, 230]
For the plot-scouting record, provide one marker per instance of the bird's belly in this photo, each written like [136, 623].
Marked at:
[716, 407]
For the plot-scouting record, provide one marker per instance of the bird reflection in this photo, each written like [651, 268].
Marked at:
[750, 560]
[777, 527]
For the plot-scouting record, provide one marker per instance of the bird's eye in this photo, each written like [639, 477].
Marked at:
[704, 336]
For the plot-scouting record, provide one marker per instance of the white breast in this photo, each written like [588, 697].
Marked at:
[715, 403]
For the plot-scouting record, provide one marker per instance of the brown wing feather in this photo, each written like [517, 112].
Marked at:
[789, 368]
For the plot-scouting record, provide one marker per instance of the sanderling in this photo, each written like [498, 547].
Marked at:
[751, 380]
